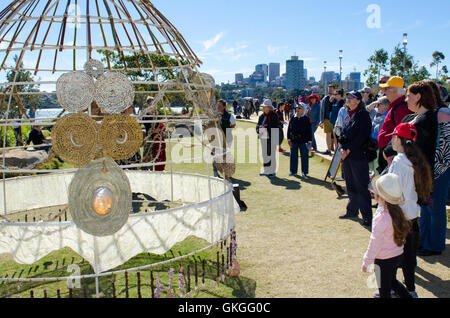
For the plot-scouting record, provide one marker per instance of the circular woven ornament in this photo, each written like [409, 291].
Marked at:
[75, 91]
[94, 68]
[114, 92]
[100, 198]
[75, 139]
[121, 136]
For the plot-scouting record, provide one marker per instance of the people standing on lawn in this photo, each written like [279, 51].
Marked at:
[299, 136]
[389, 231]
[268, 128]
[280, 113]
[314, 116]
[257, 106]
[434, 227]
[338, 103]
[353, 138]
[416, 183]
[227, 124]
[381, 107]
[398, 109]
[325, 111]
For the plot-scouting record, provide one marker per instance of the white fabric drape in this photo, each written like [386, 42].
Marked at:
[154, 232]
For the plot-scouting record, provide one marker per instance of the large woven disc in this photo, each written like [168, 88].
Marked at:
[100, 198]
[75, 91]
[114, 92]
[75, 139]
[121, 136]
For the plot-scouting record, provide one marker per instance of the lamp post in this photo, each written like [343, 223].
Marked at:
[340, 68]
[324, 78]
[405, 42]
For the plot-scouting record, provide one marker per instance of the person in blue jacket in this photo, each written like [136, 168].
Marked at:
[354, 136]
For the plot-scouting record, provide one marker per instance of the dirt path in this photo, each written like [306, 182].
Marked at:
[291, 242]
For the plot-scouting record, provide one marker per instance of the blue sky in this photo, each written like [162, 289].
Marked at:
[233, 36]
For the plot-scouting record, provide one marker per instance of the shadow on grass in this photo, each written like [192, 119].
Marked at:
[140, 206]
[288, 184]
[243, 185]
[318, 182]
[434, 284]
[126, 285]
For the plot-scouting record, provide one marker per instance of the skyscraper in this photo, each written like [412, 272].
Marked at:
[295, 78]
[274, 71]
[264, 68]
[239, 78]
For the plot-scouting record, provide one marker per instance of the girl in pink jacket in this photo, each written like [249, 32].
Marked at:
[389, 231]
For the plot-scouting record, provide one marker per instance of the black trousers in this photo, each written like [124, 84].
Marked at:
[357, 182]
[409, 262]
[386, 272]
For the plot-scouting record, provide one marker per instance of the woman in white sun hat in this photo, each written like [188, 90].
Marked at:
[389, 231]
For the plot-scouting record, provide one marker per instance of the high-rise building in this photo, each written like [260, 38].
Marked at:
[355, 76]
[239, 78]
[257, 77]
[329, 77]
[274, 71]
[295, 78]
[352, 81]
[264, 68]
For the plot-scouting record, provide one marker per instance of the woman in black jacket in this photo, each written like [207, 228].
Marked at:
[299, 135]
[268, 130]
[354, 136]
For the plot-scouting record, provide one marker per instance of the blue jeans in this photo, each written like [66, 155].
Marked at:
[314, 128]
[433, 219]
[304, 153]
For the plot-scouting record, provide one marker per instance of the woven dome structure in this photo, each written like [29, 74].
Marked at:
[100, 58]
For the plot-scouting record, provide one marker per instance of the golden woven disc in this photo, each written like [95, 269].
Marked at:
[75, 139]
[121, 136]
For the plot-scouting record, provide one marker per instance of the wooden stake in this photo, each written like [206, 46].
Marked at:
[139, 284]
[152, 286]
[126, 285]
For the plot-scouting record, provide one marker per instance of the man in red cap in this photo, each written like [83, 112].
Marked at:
[398, 109]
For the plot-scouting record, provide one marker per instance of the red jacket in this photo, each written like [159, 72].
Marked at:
[401, 110]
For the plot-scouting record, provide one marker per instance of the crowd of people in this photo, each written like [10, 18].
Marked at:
[394, 143]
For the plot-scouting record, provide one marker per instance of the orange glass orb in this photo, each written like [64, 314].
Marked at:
[102, 201]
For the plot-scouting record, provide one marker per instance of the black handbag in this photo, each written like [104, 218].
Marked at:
[370, 148]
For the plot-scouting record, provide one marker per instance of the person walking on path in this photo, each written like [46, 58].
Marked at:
[395, 92]
[354, 136]
[326, 106]
[299, 136]
[314, 116]
[268, 128]
[416, 182]
[389, 231]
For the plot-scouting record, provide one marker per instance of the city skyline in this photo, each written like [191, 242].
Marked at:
[231, 37]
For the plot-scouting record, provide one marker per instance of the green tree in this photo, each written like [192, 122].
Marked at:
[19, 102]
[397, 60]
[418, 74]
[444, 73]
[378, 63]
[139, 60]
[438, 57]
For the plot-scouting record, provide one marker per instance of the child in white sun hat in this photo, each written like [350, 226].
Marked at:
[389, 231]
